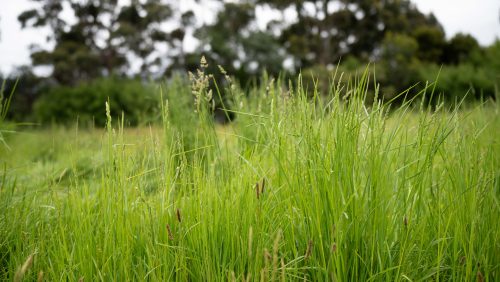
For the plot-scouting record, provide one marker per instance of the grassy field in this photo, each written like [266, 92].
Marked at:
[298, 187]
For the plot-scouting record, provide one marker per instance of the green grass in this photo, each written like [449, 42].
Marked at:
[299, 186]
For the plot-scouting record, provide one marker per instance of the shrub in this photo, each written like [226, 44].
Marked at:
[85, 102]
[455, 82]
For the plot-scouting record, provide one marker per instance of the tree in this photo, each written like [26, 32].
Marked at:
[28, 89]
[398, 62]
[459, 49]
[328, 30]
[431, 43]
[235, 43]
[187, 21]
[102, 39]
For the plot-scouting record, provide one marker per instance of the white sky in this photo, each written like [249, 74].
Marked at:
[481, 18]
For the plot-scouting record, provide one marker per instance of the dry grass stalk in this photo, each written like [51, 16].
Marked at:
[250, 239]
[309, 249]
[283, 276]
[275, 254]
[24, 268]
[260, 188]
[40, 276]
[267, 259]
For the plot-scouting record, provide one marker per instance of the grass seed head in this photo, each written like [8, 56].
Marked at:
[309, 249]
[283, 273]
[203, 62]
[24, 268]
[334, 247]
[267, 256]
[259, 188]
[462, 260]
[169, 231]
[178, 214]
[480, 276]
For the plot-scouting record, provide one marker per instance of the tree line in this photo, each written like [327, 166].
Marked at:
[95, 39]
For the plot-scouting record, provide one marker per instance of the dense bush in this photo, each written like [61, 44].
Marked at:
[456, 82]
[28, 89]
[86, 102]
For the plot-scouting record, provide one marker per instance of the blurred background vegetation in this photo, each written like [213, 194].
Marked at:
[92, 57]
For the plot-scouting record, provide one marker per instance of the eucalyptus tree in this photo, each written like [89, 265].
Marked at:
[98, 37]
[324, 31]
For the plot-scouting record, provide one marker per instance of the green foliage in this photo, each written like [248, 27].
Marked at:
[398, 66]
[85, 102]
[320, 77]
[29, 88]
[101, 40]
[294, 189]
[322, 35]
[492, 61]
[460, 49]
[5, 100]
[233, 42]
[108, 36]
[456, 82]
[431, 42]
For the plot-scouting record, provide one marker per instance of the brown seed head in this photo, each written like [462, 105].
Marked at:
[480, 276]
[334, 247]
[309, 249]
[463, 259]
[169, 232]
[178, 213]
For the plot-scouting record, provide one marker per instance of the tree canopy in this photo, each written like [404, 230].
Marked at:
[101, 38]
[156, 38]
[104, 37]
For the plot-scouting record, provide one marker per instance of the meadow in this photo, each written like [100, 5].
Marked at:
[300, 186]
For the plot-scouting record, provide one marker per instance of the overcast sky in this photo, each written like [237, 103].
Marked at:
[481, 18]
